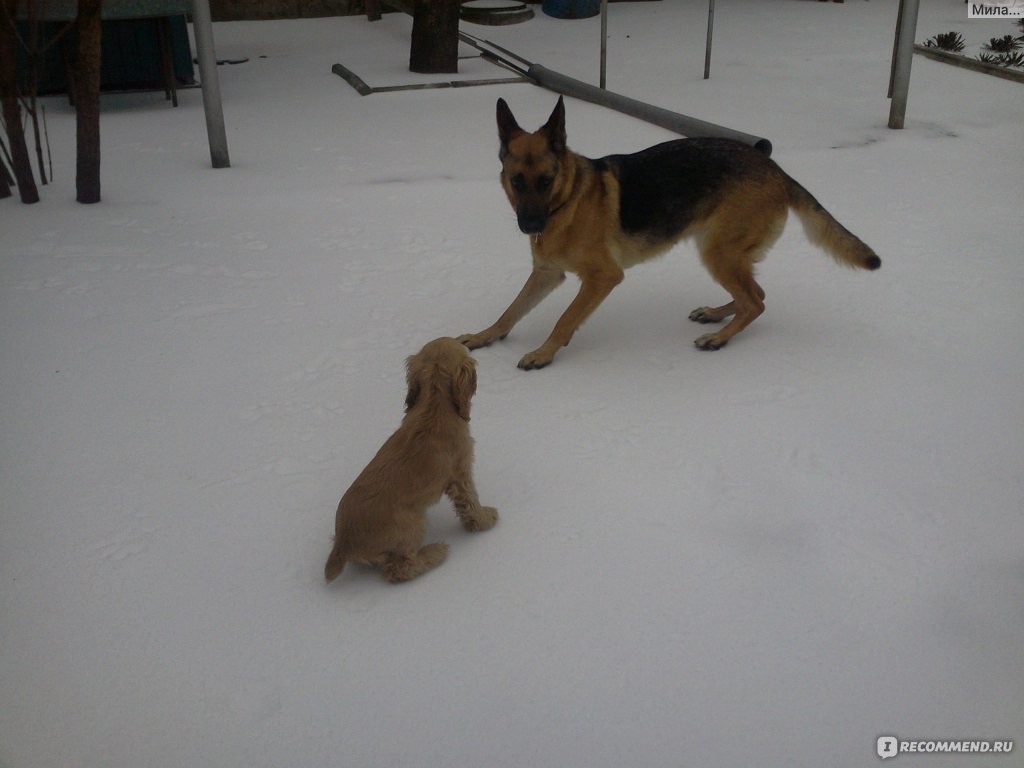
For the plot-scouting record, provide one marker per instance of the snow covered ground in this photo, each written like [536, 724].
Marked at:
[765, 556]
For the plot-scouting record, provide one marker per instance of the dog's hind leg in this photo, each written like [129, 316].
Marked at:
[713, 314]
[406, 556]
[737, 236]
[731, 263]
[746, 306]
[718, 314]
[405, 565]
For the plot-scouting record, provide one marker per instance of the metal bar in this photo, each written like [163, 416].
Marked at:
[707, 47]
[202, 26]
[363, 89]
[604, 43]
[352, 79]
[504, 64]
[904, 54]
[447, 84]
[477, 43]
[559, 83]
[673, 121]
[895, 45]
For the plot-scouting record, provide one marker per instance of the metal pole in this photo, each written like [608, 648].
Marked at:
[707, 48]
[604, 42]
[559, 83]
[202, 26]
[901, 68]
[673, 121]
[895, 46]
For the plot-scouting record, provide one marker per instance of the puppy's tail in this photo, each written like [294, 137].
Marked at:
[827, 233]
[335, 564]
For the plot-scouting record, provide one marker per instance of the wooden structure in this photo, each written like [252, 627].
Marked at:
[67, 10]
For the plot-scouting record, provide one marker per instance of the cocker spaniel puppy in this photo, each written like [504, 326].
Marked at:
[381, 520]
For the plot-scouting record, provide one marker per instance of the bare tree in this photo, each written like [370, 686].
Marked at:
[435, 36]
[11, 108]
[6, 180]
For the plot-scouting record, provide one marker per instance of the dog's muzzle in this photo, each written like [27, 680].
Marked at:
[532, 222]
[532, 226]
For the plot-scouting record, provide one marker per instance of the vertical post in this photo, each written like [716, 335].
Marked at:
[604, 43]
[895, 45]
[87, 101]
[904, 54]
[10, 109]
[202, 26]
[707, 48]
[434, 45]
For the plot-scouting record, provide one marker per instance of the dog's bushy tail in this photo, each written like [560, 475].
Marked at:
[335, 564]
[824, 231]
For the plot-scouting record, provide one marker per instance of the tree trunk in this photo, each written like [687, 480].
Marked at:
[5, 181]
[435, 36]
[87, 102]
[22, 165]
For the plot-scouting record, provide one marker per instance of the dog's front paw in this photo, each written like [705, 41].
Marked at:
[536, 360]
[710, 341]
[483, 520]
[475, 340]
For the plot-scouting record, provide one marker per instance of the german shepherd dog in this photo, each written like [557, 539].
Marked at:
[596, 218]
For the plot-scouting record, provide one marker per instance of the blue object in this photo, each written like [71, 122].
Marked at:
[571, 9]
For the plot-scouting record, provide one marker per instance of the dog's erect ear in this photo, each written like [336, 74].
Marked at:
[507, 125]
[464, 386]
[554, 128]
[412, 381]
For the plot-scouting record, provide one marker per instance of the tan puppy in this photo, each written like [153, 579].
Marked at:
[381, 519]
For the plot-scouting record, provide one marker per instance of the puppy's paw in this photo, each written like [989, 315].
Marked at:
[403, 567]
[483, 520]
[432, 555]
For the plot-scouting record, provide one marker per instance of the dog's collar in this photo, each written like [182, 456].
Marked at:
[536, 237]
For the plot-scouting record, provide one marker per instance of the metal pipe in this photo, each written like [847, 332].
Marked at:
[559, 83]
[707, 47]
[604, 43]
[202, 26]
[895, 47]
[494, 57]
[901, 69]
[673, 121]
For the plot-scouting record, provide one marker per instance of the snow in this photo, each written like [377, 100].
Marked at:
[769, 555]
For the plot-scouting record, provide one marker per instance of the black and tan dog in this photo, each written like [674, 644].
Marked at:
[596, 218]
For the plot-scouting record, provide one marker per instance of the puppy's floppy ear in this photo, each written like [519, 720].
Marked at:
[554, 128]
[507, 126]
[412, 381]
[464, 386]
